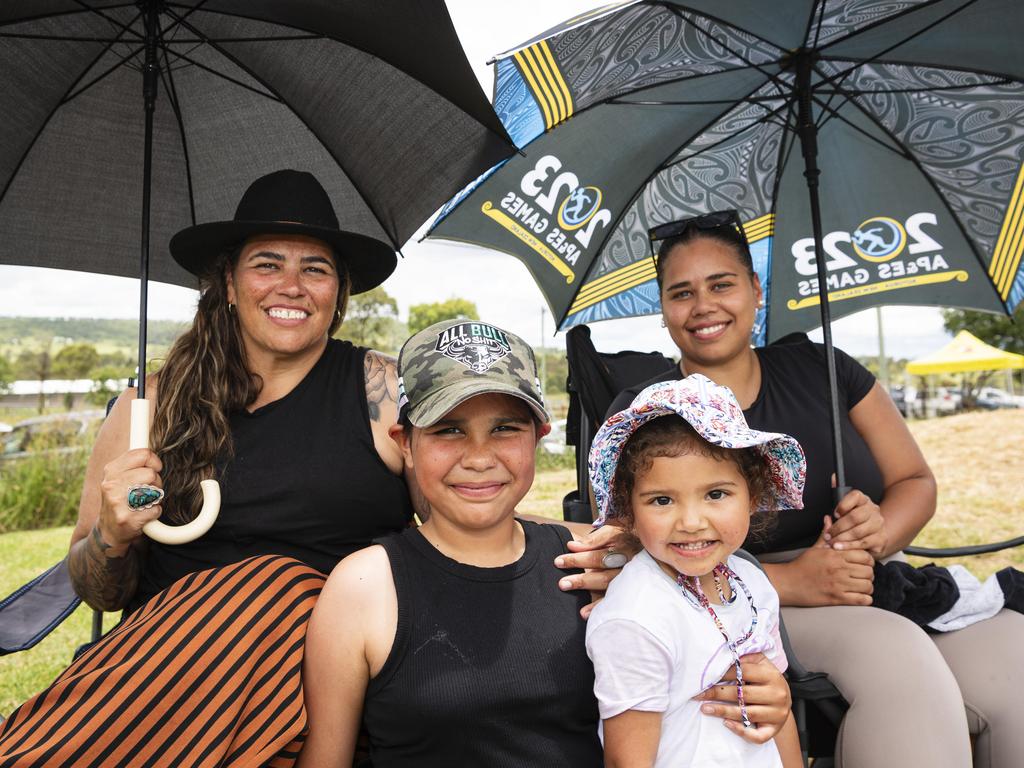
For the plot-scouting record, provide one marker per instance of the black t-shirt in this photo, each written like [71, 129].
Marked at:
[305, 481]
[488, 666]
[793, 400]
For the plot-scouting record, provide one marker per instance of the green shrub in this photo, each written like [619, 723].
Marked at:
[41, 490]
[547, 461]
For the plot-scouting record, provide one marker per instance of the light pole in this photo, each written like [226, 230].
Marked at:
[543, 358]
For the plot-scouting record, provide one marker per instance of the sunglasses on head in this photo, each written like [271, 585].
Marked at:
[706, 221]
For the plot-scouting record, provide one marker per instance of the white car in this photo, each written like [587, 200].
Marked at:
[991, 398]
[554, 441]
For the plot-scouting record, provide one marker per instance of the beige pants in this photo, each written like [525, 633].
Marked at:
[914, 696]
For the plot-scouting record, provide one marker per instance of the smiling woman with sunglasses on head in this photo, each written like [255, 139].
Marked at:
[901, 683]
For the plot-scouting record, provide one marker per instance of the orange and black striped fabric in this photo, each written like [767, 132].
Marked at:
[206, 673]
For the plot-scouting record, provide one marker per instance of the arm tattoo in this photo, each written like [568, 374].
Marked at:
[381, 373]
[105, 583]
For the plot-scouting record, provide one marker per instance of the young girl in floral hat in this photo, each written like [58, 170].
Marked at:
[683, 471]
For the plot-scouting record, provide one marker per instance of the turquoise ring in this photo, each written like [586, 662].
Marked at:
[144, 496]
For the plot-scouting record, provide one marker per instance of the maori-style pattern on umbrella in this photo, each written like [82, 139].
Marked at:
[660, 111]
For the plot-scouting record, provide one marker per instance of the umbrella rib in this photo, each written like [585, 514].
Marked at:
[848, 94]
[938, 193]
[819, 11]
[172, 97]
[369, 205]
[658, 169]
[766, 118]
[502, 135]
[673, 8]
[56, 38]
[778, 81]
[700, 102]
[838, 78]
[112, 21]
[182, 57]
[834, 115]
[42, 126]
[889, 20]
[40, 16]
[872, 59]
[103, 75]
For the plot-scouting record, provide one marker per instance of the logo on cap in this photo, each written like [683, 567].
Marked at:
[477, 346]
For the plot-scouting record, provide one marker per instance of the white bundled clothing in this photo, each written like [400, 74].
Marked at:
[654, 649]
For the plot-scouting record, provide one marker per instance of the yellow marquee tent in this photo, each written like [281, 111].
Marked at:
[965, 353]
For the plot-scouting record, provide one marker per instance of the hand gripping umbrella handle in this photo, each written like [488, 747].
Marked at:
[173, 534]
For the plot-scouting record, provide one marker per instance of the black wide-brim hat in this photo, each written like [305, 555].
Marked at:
[287, 203]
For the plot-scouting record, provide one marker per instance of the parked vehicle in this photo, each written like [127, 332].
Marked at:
[991, 399]
[554, 441]
[900, 398]
[60, 432]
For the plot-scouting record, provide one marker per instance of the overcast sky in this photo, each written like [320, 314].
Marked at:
[500, 285]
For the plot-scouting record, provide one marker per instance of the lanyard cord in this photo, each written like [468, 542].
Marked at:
[691, 586]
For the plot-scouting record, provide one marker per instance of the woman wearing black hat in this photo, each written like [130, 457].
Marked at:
[293, 424]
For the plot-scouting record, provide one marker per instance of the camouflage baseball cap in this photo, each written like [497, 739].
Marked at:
[444, 365]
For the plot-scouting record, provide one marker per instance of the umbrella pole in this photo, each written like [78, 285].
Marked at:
[150, 75]
[808, 133]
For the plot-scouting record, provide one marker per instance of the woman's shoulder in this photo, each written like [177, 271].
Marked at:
[797, 353]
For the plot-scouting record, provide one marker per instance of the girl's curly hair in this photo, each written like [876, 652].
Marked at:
[670, 436]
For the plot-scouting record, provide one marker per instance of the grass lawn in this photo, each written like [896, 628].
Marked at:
[978, 459]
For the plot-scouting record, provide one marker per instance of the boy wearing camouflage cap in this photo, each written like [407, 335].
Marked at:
[456, 633]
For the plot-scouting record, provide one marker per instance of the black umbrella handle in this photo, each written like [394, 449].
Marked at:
[138, 437]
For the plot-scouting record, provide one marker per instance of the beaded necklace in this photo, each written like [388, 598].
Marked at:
[690, 585]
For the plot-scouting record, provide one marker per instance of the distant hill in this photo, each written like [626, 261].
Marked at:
[37, 331]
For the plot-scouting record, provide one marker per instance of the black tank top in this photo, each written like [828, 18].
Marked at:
[488, 667]
[305, 481]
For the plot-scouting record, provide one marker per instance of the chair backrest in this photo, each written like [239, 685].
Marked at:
[595, 379]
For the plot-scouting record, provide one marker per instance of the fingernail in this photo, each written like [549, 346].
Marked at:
[838, 545]
[707, 709]
[559, 562]
[565, 584]
[827, 537]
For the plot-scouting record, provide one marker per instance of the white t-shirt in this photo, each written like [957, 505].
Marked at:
[654, 649]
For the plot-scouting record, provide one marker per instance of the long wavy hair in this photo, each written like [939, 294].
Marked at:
[204, 379]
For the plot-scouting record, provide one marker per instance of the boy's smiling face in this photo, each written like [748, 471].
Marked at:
[691, 512]
[477, 463]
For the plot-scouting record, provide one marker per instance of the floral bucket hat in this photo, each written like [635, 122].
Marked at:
[715, 415]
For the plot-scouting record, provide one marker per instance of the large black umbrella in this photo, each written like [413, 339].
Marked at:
[651, 111]
[162, 112]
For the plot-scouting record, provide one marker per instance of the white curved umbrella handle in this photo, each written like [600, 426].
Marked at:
[173, 534]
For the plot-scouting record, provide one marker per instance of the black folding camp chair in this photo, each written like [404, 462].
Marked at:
[37, 608]
[595, 379]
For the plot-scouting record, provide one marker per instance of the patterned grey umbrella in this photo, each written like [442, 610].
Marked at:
[911, 112]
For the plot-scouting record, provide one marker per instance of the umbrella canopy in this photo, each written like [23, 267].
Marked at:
[648, 112]
[651, 111]
[377, 100]
[164, 112]
[965, 353]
